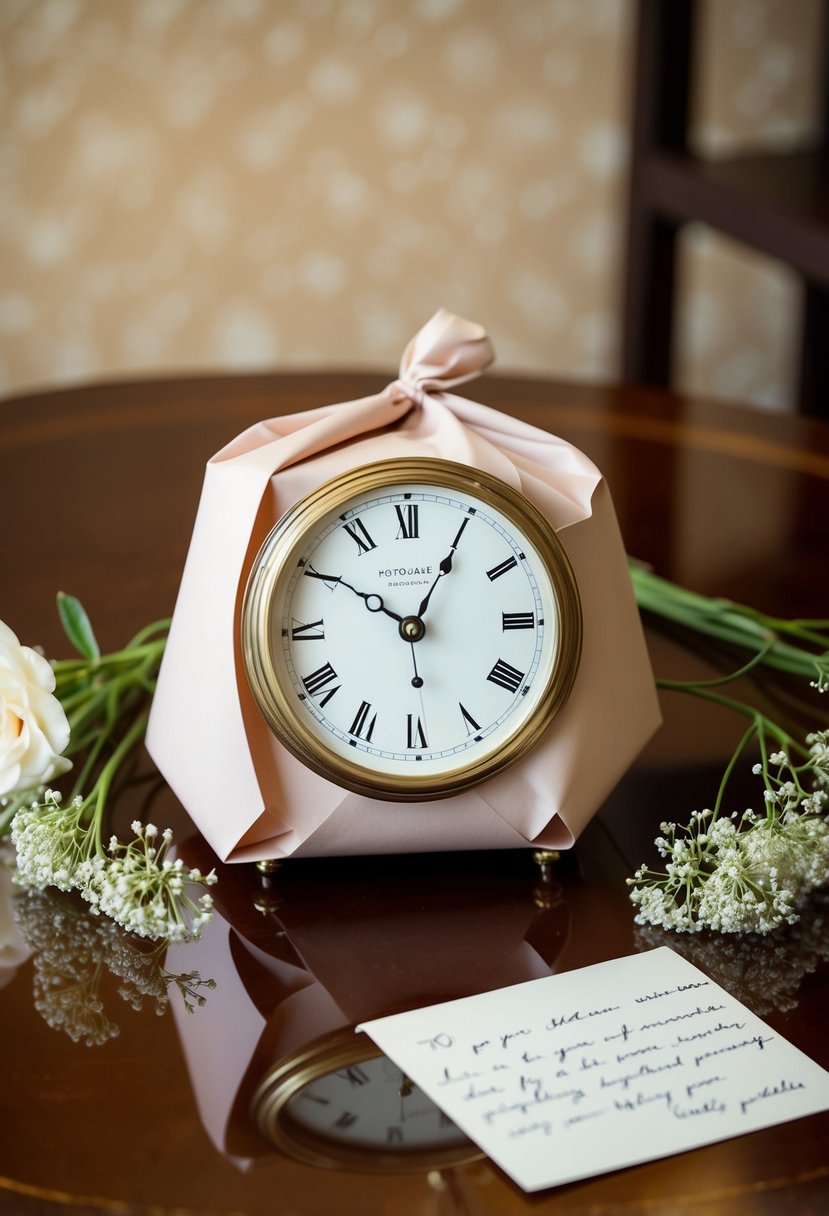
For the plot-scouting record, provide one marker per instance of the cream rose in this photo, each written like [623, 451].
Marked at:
[33, 727]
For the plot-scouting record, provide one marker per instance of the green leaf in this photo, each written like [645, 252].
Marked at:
[77, 627]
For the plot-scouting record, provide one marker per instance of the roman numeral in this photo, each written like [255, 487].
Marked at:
[346, 1119]
[394, 1135]
[500, 569]
[361, 728]
[358, 532]
[468, 721]
[317, 680]
[506, 676]
[330, 580]
[407, 517]
[307, 1096]
[415, 735]
[518, 620]
[355, 1075]
[312, 632]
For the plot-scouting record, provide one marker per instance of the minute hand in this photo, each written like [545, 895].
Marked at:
[444, 568]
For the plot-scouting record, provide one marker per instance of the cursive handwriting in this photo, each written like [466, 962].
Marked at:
[757, 1040]
[630, 1060]
[579, 1015]
[706, 1034]
[681, 1017]
[644, 1070]
[771, 1091]
[713, 1106]
[657, 996]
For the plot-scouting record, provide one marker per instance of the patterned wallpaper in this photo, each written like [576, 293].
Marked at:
[191, 184]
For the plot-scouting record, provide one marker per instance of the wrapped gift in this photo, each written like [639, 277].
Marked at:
[541, 661]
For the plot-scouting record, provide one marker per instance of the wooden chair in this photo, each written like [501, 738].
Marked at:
[777, 204]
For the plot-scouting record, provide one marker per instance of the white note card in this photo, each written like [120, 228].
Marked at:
[578, 1074]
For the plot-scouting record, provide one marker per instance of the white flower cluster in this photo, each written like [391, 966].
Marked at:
[67, 955]
[139, 885]
[74, 951]
[50, 841]
[819, 757]
[764, 973]
[746, 874]
[145, 890]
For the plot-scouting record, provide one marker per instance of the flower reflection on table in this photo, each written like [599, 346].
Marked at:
[765, 972]
[74, 951]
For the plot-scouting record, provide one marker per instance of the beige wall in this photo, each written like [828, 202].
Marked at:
[191, 184]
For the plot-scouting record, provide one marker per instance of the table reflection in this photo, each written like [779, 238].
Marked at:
[75, 954]
[300, 959]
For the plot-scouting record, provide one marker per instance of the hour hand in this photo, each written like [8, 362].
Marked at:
[373, 602]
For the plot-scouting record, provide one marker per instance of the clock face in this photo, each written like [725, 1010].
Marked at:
[371, 1103]
[339, 1101]
[411, 628]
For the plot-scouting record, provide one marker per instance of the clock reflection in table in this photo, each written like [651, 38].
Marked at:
[302, 958]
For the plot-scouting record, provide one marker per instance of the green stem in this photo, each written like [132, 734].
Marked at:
[753, 730]
[687, 685]
[102, 786]
[734, 623]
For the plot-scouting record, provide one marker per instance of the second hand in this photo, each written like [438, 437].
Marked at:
[417, 682]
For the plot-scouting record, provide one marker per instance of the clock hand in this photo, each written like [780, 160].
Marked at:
[373, 602]
[417, 680]
[404, 1091]
[411, 629]
[445, 567]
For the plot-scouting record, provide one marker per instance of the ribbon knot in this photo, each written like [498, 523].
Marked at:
[447, 351]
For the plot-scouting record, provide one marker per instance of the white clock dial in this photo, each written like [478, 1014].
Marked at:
[414, 625]
[339, 1102]
[372, 1103]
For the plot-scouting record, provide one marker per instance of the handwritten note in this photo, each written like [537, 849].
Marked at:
[577, 1074]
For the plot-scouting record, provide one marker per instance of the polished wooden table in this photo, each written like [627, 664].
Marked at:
[99, 490]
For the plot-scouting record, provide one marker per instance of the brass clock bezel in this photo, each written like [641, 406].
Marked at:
[286, 1079]
[288, 536]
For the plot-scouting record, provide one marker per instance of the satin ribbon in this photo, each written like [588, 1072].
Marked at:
[446, 352]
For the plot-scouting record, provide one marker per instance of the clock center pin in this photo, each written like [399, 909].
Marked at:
[412, 629]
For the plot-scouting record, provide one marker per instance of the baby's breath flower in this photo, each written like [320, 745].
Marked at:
[821, 662]
[748, 874]
[818, 743]
[762, 972]
[98, 713]
[51, 842]
[74, 954]
[145, 890]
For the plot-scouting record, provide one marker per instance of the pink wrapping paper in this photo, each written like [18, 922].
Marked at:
[246, 793]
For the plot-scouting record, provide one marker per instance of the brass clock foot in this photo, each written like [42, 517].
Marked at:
[545, 859]
[267, 904]
[548, 892]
